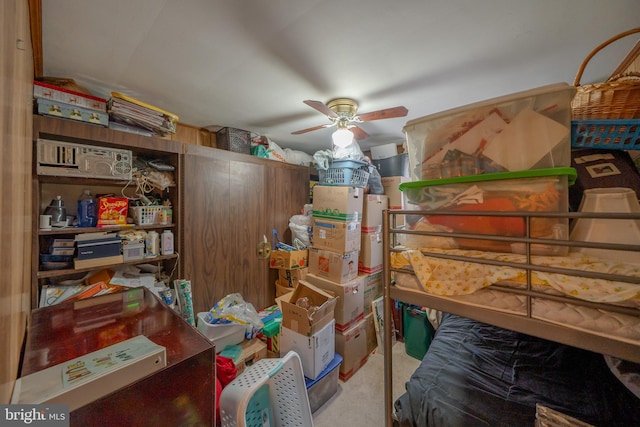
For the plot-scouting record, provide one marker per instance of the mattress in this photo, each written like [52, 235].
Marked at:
[475, 374]
[473, 284]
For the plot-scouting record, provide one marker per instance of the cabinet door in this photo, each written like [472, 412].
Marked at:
[231, 202]
[205, 243]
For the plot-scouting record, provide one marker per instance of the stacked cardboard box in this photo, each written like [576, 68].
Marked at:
[370, 258]
[308, 327]
[334, 258]
[52, 100]
[391, 186]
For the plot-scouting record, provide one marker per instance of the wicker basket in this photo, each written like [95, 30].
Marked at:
[617, 98]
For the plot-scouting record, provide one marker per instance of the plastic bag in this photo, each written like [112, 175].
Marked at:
[301, 227]
[375, 181]
[234, 309]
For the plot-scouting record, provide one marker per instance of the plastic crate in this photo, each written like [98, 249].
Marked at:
[353, 173]
[270, 390]
[147, 215]
[232, 139]
[621, 134]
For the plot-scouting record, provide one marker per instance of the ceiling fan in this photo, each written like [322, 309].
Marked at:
[343, 113]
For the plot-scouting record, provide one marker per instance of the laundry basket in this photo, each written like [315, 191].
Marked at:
[345, 173]
[271, 392]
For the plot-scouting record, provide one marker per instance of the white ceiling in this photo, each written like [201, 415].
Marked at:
[249, 64]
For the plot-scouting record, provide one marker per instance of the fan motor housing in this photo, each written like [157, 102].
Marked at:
[343, 107]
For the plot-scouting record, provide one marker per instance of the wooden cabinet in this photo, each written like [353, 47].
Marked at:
[231, 201]
[47, 187]
[182, 393]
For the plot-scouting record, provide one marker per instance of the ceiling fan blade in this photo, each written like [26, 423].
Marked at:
[321, 106]
[358, 132]
[300, 132]
[387, 113]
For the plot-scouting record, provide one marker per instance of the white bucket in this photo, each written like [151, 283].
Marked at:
[603, 230]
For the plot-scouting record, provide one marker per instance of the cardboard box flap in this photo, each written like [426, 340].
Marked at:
[301, 319]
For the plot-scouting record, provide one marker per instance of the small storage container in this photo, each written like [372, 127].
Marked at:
[521, 131]
[540, 190]
[393, 166]
[233, 139]
[221, 335]
[418, 331]
[325, 386]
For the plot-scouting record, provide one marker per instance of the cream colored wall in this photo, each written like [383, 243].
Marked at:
[16, 78]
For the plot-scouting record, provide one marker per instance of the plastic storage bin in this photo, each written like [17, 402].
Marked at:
[521, 131]
[393, 166]
[148, 215]
[322, 388]
[270, 390]
[619, 134]
[418, 331]
[221, 335]
[540, 190]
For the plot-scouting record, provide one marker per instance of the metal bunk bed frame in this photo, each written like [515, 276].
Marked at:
[517, 322]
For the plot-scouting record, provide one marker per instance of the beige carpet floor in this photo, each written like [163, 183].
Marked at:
[359, 401]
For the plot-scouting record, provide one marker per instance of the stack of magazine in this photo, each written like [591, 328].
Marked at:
[131, 112]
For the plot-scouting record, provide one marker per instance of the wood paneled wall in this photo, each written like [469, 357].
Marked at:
[16, 90]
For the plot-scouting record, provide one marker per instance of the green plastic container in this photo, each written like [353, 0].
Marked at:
[418, 331]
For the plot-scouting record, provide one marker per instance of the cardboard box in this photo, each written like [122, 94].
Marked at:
[336, 236]
[289, 259]
[112, 211]
[300, 319]
[391, 185]
[370, 255]
[292, 276]
[282, 288]
[373, 208]
[350, 305]
[46, 107]
[252, 351]
[352, 346]
[63, 95]
[334, 266]
[373, 288]
[315, 351]
[338, 203]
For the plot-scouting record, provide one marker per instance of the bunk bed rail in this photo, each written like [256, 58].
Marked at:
[523, 322]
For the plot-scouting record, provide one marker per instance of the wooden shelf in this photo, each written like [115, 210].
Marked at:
[44, 274]
[45, 187]
[84, 230]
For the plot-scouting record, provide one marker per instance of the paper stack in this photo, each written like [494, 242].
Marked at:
[129, 111]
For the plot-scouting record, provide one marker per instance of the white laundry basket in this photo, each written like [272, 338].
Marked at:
[271, 392]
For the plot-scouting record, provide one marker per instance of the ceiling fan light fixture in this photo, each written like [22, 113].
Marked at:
[342, 137]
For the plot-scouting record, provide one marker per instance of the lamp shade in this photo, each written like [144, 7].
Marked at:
[342, 137]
